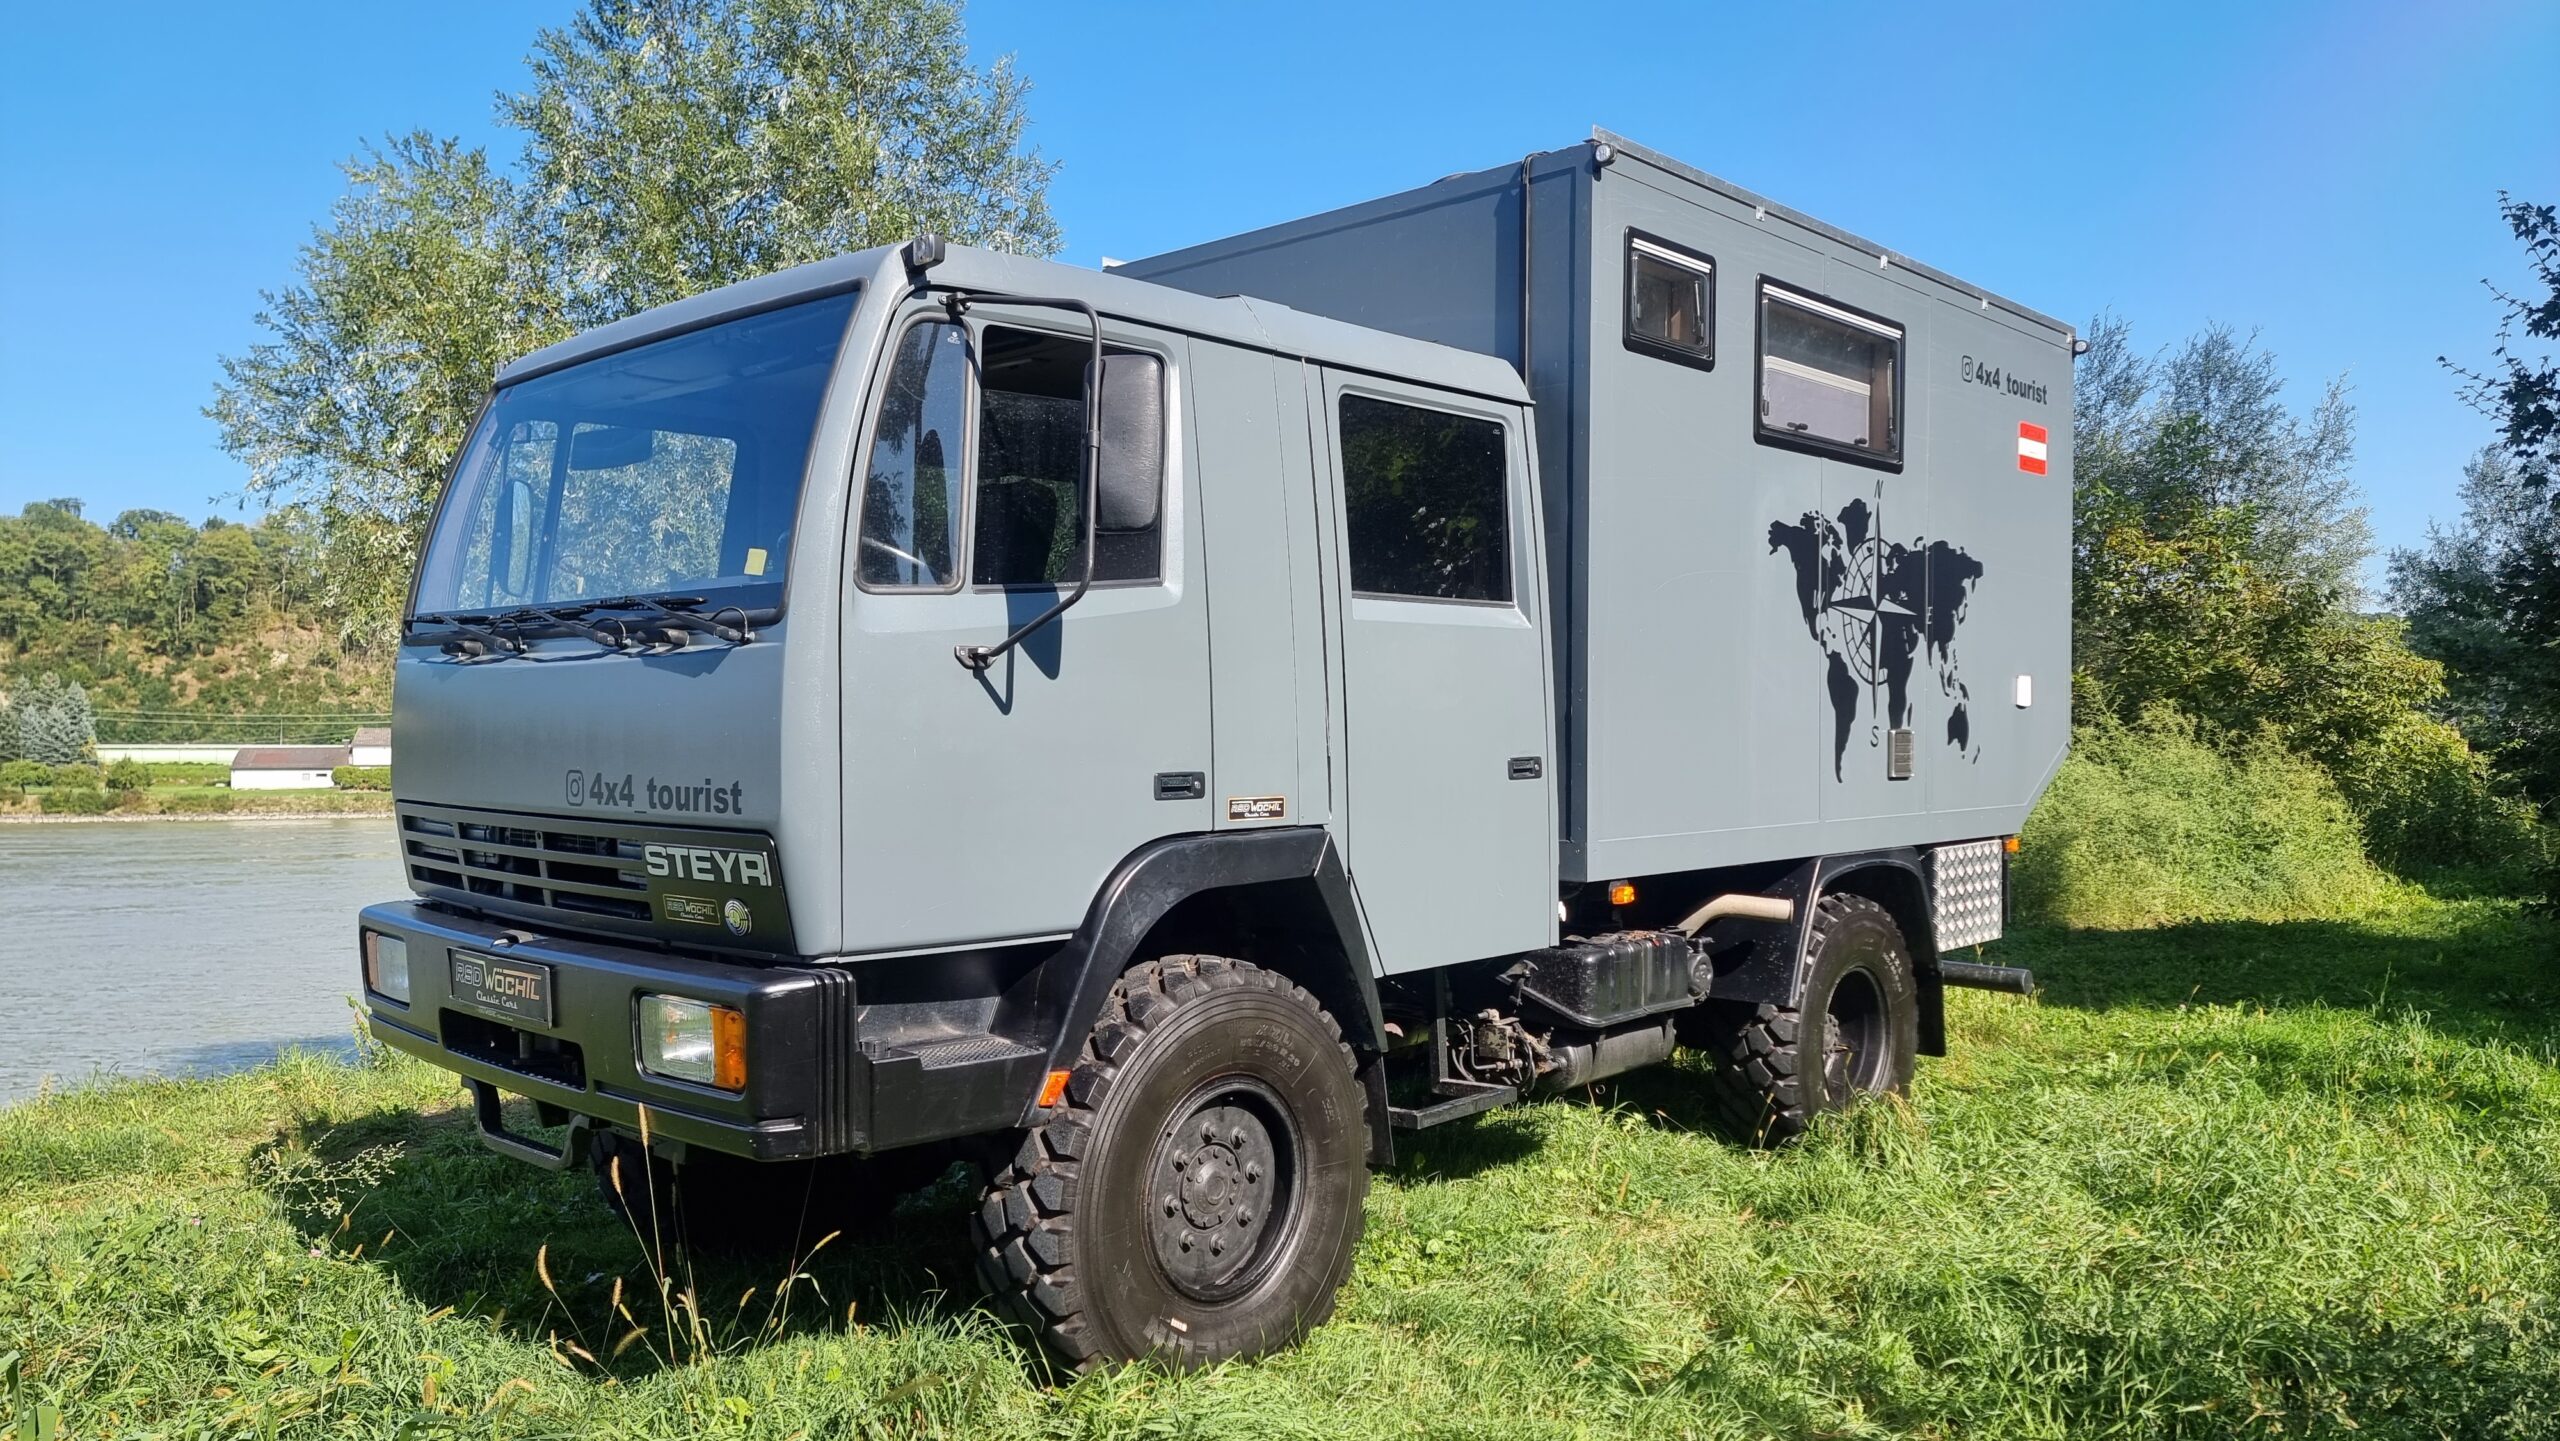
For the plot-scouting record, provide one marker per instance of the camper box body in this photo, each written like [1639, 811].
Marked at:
[1767, 645]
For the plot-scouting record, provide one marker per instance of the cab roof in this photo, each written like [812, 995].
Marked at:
[1237, 320]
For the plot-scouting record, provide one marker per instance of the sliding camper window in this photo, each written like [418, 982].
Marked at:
[1426, 502]
[1830, 378]
[1671, 301]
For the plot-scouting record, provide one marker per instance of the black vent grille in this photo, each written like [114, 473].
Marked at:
[550, 865]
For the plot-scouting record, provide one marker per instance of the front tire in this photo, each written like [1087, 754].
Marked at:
[1854, 1032]
[1198, 1194]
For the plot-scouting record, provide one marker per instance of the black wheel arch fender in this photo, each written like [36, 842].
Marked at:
[1774, 968]
[1159, 878]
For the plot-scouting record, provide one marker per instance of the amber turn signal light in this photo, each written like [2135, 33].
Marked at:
[1622, 893]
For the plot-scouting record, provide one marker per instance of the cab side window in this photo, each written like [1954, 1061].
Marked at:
[1426, 502]
[911, 489]
[1029, 529]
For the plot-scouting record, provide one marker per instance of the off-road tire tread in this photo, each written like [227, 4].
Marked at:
[1758, 1091]
[1027, 1214]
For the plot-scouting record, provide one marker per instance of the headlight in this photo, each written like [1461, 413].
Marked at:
[386, 966]
[693, 1041]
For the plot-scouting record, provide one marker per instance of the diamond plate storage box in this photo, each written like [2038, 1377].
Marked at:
[1968, 887]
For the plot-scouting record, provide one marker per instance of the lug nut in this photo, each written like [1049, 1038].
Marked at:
[1235, 1138]
[1208, 1131]
[1244, 1216]
[1186, 1240]
[1181, 1160]
[1169, 1207]
[1217, 1245]
[1253, 1170]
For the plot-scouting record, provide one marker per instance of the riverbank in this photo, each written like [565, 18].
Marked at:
[199, 804]
[2261, 1179]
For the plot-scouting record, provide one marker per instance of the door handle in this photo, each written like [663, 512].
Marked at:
[1527, 768]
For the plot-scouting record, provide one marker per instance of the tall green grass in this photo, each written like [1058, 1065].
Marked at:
[2266, 1179]
[2146, 823]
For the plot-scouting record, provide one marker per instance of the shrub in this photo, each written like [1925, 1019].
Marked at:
[190, 773]
[200, 803]
[2146, 824]
[75, 801]
[78, 776]
[2430, 804]
[129, 800]
[361, 778]
[23, 773]
[128, 775]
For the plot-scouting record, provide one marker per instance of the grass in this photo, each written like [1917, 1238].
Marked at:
[2264, 1179]
[220, 800]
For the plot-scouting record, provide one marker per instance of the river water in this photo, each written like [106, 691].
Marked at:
[179, 947]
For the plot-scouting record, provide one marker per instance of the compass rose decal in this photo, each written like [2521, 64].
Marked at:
[1873, 605]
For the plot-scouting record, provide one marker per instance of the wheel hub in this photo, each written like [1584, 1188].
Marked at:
[1221, 1178]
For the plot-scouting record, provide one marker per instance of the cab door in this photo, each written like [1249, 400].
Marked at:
[1450, 826]
[990, 805]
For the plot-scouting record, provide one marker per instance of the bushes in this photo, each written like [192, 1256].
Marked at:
[78, 776]
[2430, 804]
[190, 773]
[197, 803]
[361, 778]
[24, 773]
[2147, 824]
[75, 801]
[128, 774]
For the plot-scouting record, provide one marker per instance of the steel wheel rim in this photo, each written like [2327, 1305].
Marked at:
[1853, 1036]
[1224, 1188]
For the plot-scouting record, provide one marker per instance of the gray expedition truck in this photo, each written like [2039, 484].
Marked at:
[1159, 733]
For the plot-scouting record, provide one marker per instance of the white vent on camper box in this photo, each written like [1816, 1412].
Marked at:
[1966, 883]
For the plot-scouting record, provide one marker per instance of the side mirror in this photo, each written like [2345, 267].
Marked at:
[1129, 485]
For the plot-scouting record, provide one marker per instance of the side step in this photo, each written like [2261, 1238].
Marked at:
[2016, 980]
[1464, 1099]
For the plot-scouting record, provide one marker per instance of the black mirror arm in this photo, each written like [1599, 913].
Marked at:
[979, 657]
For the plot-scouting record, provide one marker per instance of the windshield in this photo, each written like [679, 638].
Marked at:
[671, 467]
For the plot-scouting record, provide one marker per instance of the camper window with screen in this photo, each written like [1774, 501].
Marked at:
[1425, 501]
[1830, 377]
[1670, 301]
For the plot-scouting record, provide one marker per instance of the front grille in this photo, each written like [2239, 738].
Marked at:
[556, 865]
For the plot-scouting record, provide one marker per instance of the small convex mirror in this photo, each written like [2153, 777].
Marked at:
[1130, 485]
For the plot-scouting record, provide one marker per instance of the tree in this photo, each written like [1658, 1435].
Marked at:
[2484, 596]
[55, 724]
[423, 283]
[678, 145]
[669, 146]
[2216, 547]
[2203, 429]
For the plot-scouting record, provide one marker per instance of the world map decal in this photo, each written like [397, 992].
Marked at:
[1873, 606]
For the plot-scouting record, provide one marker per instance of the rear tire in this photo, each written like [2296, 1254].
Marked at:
[1854, 1032]
[1198, 1193]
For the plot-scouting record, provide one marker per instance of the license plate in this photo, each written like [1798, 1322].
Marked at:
[520, 989]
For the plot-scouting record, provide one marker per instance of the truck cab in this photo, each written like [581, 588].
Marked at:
[935, 704]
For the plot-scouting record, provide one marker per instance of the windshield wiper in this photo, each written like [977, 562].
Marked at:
[567, 619]
[468, 635]
[683, 611]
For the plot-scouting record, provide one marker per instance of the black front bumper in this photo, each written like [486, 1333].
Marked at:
[816, 1085]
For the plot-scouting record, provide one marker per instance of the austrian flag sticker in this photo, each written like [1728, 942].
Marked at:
[2030, 448]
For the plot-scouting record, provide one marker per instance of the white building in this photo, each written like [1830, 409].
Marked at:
[372, 746]
[286, 768]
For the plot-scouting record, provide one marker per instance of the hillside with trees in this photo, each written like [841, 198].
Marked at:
[168, 629]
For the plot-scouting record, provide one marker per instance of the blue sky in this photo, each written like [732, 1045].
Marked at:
[2325, 173]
